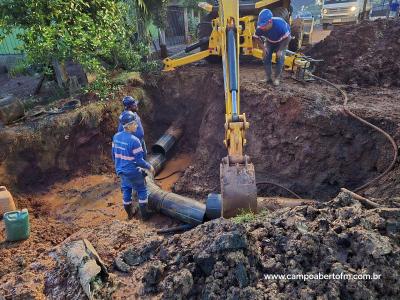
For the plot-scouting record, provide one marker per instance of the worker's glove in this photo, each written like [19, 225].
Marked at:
[152, 171]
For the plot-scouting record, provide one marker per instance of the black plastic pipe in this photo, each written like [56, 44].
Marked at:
[157, 161]
[173, 205]
[167, 141]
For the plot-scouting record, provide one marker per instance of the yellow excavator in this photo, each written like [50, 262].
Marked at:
[233, 28]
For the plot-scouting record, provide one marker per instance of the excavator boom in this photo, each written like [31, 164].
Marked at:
[238, 185]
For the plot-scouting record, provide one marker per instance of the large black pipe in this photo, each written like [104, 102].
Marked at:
[157, 161]
[168, 140]
[178, 207]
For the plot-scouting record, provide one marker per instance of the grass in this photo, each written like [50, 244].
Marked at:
[128, 78]
[247, 216]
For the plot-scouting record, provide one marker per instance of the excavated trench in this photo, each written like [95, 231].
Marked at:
[299, 137]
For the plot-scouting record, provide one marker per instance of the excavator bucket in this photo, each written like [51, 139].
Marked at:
[238, 188]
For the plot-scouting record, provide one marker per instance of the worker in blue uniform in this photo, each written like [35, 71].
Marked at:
[131, 104]
[127, 154]
[272, 35]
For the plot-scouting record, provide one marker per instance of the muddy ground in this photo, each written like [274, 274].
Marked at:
[299, 137]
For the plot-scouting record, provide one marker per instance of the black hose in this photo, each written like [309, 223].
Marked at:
[169, 175]
[391, 140]
[278, 185]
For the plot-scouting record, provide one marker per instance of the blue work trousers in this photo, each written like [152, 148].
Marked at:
[133, 183]
[280, 49]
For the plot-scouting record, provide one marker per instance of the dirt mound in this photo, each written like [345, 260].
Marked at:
[24, 264]
[224, 260]
[365, 54]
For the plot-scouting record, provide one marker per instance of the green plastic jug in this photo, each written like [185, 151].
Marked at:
[17, 225]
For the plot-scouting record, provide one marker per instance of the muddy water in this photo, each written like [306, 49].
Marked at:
[179, 163]
[94, 199]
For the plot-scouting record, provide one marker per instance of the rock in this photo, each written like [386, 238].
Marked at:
[137, 256]
[205, 262]
[178, 286]
[153, 274]
[375, 244]
[229, 241]
[120, 265]
[241, 275]
[3, 69]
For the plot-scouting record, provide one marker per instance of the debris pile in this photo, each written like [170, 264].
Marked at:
[222, 259]
[364, 54]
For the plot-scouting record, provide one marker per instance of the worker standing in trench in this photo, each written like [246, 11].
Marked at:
[276, 33]
[127, 154]
[131, 104]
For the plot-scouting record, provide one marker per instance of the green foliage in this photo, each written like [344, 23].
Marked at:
[93, 33]
[151, 9]
[63, 29]
[21, 68]
[192, 3]
[102, 87]
[193, 23]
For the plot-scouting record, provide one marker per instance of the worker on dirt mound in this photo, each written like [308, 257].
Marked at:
[272, 35]
[131, 104]
[127, 154]
[394, 9]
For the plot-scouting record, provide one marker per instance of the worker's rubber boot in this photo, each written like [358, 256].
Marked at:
[144, 211]
[278, 72]
[129, 211]
[276, 82]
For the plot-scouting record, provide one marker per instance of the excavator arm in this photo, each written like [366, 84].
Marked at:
[233, 35]
[238, 185]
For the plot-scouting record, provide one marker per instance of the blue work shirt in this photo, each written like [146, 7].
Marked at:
[139, 133]
[279, 31]
[127, 154]
[394, 6]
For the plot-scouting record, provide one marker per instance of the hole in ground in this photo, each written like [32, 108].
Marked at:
[298, 136]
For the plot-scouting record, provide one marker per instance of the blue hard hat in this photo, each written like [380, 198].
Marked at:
[127, 117]
[129, 100]
[264, 17]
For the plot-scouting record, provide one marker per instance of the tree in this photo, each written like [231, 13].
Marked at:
[82, 30]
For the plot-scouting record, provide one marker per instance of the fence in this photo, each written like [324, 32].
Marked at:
[10, 45]
[181, 27]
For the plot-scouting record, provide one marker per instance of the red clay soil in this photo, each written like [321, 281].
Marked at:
[299, 136]
[365, 54]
